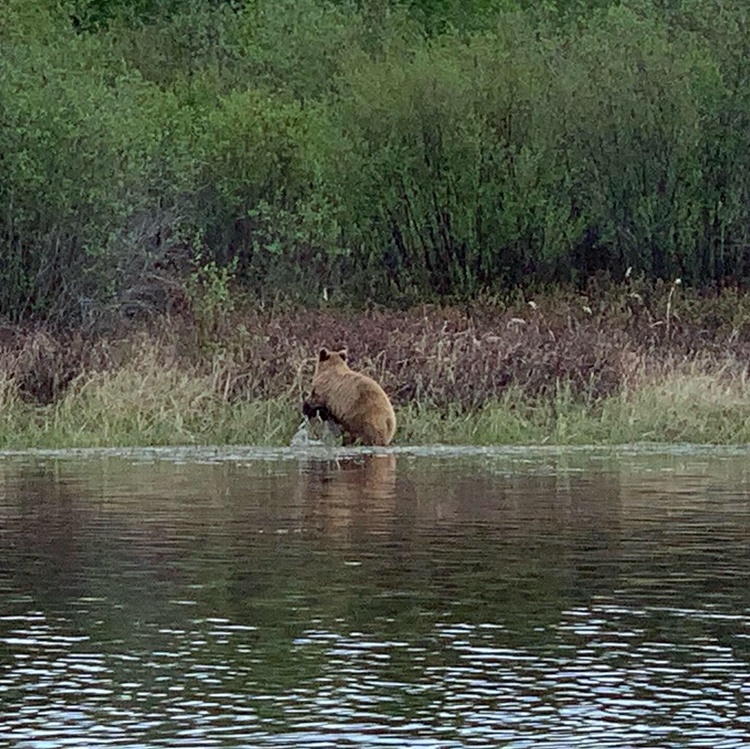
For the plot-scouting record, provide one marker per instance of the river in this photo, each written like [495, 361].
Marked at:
[423, 597]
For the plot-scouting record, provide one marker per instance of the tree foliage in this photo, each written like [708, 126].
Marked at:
[391, 151]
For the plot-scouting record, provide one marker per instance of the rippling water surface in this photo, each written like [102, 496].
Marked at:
[420, 598]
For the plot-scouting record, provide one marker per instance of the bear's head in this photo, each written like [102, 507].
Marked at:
[331, 360]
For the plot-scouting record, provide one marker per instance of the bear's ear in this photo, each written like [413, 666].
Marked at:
[323, 355]
[343, 354]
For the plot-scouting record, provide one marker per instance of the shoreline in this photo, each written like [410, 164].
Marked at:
[559, 369]
[240, 454]
[616, 421]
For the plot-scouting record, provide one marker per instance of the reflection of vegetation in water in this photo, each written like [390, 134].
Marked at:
[182, 581]
[246, 592]
[343, 540]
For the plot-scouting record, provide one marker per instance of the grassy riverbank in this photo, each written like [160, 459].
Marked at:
[620, 365]
[688, 408]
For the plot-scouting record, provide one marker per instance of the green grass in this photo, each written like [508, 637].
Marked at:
[122, 409]
[167, 407]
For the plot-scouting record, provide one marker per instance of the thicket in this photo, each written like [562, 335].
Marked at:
[154, 150]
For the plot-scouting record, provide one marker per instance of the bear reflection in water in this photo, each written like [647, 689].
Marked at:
[350, 493]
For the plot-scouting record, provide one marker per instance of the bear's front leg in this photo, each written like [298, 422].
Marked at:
[311, 410]
[332, 431]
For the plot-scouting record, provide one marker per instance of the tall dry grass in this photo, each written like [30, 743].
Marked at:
[617, 365]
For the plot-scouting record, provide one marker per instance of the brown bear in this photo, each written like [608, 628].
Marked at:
[351, 399]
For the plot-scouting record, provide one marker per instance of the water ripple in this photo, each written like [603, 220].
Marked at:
[519, 599]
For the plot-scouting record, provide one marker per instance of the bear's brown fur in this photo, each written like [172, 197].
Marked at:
[353, 400]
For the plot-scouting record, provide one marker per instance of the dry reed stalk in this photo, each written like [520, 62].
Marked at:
[595, 347]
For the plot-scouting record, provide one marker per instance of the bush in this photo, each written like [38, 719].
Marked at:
[84, 142]
[455, 177]
[394, 152]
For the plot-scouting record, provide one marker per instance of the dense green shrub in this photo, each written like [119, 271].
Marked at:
[393, 151]
[87, 175]
[455, 177]
[534, 153]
